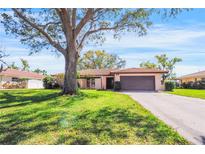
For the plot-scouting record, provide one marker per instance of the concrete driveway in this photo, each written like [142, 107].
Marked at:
[186, 115]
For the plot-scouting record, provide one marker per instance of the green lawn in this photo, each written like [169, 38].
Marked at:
[93, 117]
[189, 92]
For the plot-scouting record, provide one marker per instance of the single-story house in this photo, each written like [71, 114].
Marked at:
[13, 76]
[130, 79]
[198, 76]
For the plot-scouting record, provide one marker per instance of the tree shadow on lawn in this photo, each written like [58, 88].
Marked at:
[99, 123]
[20, 99]
[13, 125]
[146, 127]
[10, 100]
[24, 123]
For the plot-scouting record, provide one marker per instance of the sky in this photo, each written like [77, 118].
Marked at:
[183, 37]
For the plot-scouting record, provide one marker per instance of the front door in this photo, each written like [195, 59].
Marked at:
[109, 83]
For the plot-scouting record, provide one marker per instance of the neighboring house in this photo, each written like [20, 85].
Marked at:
[130, 79]
[13, 76]
[198, 76]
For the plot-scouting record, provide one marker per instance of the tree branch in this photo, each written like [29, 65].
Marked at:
[35, 26]
[95, 31]
[49, 23]
[89, 14]
[65, 19]
[74, 18]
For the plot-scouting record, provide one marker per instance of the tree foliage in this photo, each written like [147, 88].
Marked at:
[148, 64]
[163, 63]
[100, 60]
[40, 71]
[2, 61]
[25, 65]
[13, 66]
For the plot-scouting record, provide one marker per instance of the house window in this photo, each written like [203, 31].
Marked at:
[15, 79]
[91, 83]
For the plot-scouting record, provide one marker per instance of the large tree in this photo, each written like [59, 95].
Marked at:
[100, 60]
[68, 30]
[163, 63]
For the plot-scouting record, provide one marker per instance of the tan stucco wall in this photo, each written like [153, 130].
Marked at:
[83, 83]
[158, 85]
[103, 78]
[98, 83]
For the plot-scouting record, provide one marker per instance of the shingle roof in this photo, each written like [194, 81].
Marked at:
[193, 75]
[104, 72]
[95, 72]
[21, 74]
[139, 70]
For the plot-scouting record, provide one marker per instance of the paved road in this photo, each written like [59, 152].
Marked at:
[184, 114]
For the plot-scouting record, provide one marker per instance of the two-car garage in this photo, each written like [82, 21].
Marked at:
[142, 83]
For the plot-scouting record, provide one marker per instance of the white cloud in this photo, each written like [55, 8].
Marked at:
[158, 37]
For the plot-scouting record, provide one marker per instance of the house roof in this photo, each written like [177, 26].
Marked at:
[95, 72]
[21, 74]
[139, 70]
[105, 72]
[193, 75]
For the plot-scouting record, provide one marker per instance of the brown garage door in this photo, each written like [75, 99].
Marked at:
[137, 83]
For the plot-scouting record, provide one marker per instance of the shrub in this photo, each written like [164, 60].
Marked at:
[178, 85]
[202, 84]
[50, 82]
[169, 86]
[59, 79]
[117, 86]
[47, 82]
[194, 85]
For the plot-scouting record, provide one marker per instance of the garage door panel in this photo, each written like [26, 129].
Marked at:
[137, 82]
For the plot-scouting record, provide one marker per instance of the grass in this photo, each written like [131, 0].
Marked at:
[190, 93]
[93, 117]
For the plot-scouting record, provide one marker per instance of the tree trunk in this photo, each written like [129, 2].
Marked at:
[70, 77]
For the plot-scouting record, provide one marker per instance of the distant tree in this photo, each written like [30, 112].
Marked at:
[2, 62]
[44, 72]
[148, 64]
[25, 65]
[100, 60]
[13, 66]
[163, 63]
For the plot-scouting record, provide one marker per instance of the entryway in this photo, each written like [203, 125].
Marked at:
[109, 83]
